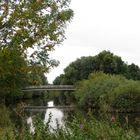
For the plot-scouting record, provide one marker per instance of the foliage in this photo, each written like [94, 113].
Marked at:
[12, 72]
[29, 30]
[101, 90]
[6, 125]
[105, 61]
[108, 92]
[128, 96]
[77, 129]
[133, 72]
[5, 116]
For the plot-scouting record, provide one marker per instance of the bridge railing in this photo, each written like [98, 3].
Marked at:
[48, 87]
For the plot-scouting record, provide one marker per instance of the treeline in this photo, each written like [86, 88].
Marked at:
[103, 81]
[105, 61]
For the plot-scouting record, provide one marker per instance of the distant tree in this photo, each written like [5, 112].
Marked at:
[81, 68]
[110, 63]
[133, 72]
[29, 30]
[58, 80]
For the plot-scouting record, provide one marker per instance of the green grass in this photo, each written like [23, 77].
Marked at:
[77, 129]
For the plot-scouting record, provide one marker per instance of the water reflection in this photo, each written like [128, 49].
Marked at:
[56, 116]
[52, 115]
[30, 123]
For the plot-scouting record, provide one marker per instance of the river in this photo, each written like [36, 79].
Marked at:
[53, 115]
[59, 115]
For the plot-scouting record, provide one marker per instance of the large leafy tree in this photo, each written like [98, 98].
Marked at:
[105, 61]
[29, 30]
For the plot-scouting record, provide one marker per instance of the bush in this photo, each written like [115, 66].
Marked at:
[127, 96]
[107, 92]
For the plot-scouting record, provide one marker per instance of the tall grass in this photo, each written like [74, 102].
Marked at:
[77, 129]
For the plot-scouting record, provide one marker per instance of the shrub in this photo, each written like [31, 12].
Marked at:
[127, 96]
[107, 92]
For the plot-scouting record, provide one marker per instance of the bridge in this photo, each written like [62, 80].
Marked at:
[49, 87]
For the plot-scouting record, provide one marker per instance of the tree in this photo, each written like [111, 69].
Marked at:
[29, 30]
[82, 67]
[110, 63]
[134, 72]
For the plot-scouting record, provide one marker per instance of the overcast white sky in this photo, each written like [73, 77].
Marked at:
[100, 25]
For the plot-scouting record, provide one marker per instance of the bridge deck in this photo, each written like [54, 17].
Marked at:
[49, 87]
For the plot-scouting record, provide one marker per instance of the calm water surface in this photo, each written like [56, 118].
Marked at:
[53, 115]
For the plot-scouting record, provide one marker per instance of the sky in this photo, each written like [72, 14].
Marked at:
[97, 25]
